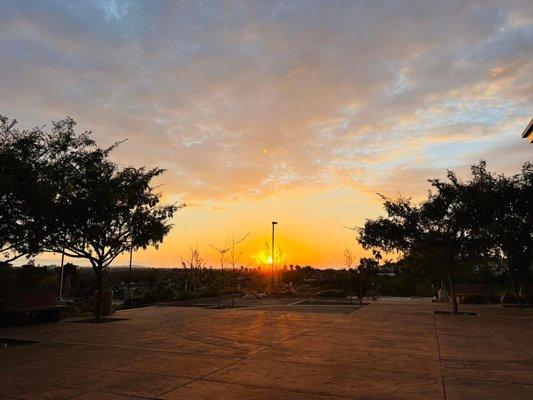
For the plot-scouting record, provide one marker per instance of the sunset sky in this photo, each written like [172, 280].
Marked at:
[297, 111]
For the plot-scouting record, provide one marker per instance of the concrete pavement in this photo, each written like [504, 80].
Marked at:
[387, 350]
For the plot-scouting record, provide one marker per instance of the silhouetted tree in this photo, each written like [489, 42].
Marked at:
[367, 266]
[439, 232]
[499, 210]
[488, 218]
[348, 257]
[104, 210]
[28, 185]
[194, 264]
[222, 254]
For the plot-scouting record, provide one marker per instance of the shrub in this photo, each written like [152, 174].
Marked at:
[331, 293]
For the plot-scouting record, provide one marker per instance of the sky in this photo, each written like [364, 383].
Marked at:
[298, 111]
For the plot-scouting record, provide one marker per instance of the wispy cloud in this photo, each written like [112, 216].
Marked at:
[249, 99]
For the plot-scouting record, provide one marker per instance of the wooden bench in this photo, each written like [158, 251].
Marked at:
[472, 292]
[23, 305]
[526, 292]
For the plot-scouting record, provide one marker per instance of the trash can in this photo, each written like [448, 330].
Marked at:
[107, 303]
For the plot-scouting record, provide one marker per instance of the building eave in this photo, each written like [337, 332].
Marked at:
[528, 132]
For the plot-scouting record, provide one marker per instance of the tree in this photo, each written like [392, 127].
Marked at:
[349, 260]
[221, 278]
[348, 257]
[19, 153]
[222, 254]
[488, 218]
[104, 210]
[367, 265]
[234, 258]
[438, 233]
[26, 191]
[500, 210]
[194, 263]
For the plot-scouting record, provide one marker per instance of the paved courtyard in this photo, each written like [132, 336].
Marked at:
[387, 350]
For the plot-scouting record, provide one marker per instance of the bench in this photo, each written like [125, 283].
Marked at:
[23, 305]
[526, 292]
[472, 292]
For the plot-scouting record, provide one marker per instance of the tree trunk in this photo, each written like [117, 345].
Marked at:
[455, 308]
[99, 293]
[516, 291]
[514, 276]
[350, 294]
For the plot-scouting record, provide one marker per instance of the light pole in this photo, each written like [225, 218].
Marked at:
[274, 223]
[62, 272]
[129, 273]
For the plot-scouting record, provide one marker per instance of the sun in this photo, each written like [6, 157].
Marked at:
[264, 258]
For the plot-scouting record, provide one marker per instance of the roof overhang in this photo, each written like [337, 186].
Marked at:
[528, 132]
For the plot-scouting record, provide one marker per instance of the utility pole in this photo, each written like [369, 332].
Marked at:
[274, 223]
[129, 272]
[62, 271]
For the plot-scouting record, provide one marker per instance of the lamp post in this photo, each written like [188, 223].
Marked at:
[129, 296]
[62, 272]
[274, 223]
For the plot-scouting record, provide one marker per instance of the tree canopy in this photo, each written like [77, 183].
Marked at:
[461, 223]
[28, 185]
[63, 193]
[499, 212]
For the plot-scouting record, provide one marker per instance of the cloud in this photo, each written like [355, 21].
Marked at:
[243, 100]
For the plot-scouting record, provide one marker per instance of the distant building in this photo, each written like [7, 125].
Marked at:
[528, 132]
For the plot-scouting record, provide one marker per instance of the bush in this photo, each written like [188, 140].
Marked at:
[331, 293]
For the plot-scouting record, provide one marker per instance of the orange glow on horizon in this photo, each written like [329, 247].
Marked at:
[302, 240]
